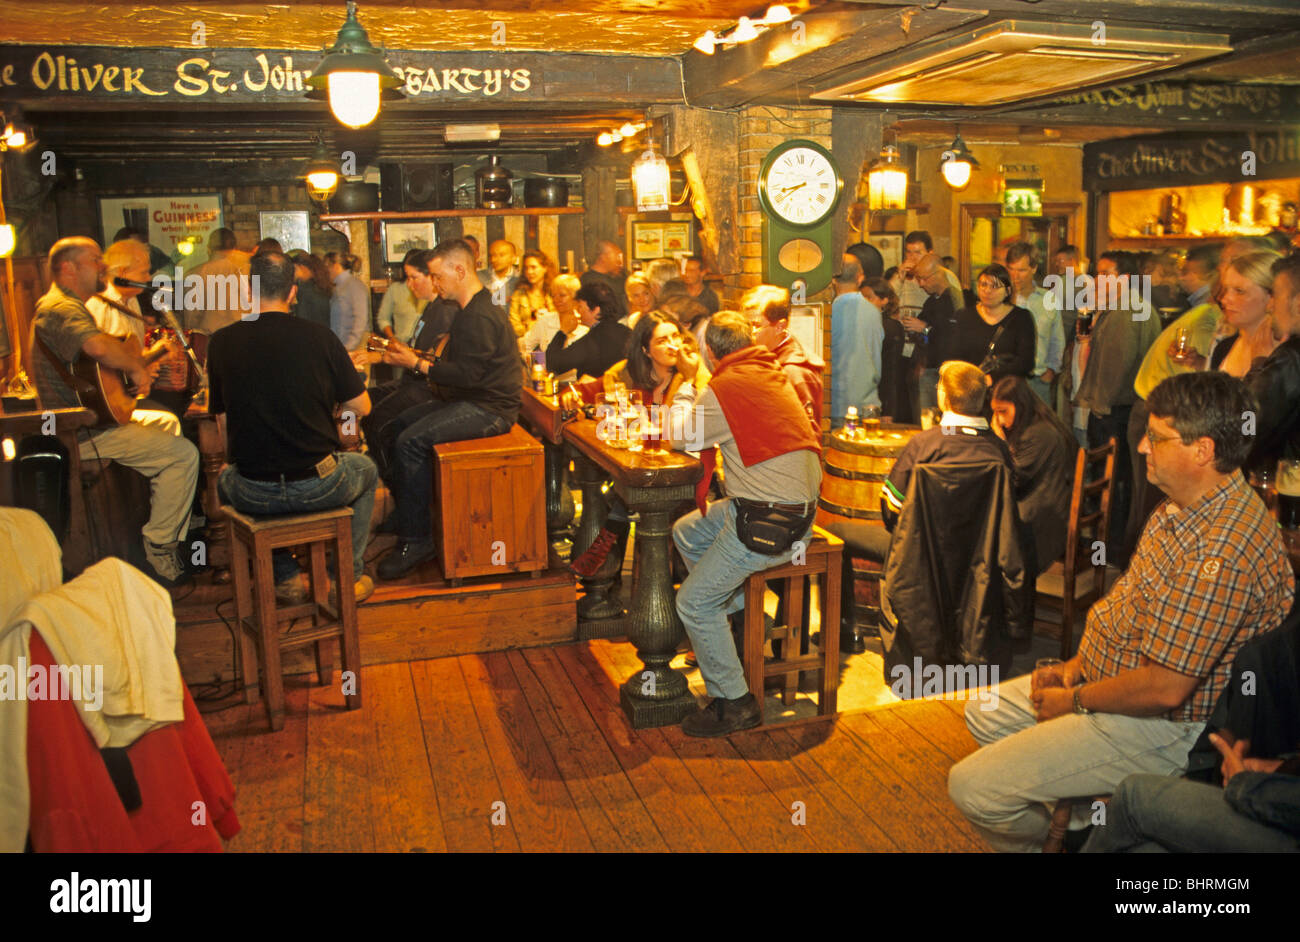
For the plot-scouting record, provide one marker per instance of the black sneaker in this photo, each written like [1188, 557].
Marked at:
[723, 717]
[407, 555]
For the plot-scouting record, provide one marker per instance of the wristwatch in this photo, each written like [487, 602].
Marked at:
[1078, 701]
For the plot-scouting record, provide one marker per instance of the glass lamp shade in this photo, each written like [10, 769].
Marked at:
[322, 184]
[956, 173]
[887, 182]
[7, 240]
[650, 182]
[354, 97]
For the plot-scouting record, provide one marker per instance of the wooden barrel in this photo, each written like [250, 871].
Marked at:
[855, 472]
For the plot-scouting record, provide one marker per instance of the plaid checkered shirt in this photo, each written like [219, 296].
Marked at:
[1204, 580]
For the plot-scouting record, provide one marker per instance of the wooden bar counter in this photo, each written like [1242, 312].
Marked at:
[654, 485]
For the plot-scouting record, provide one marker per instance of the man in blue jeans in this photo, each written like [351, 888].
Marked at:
[275, 383]
[477, 380]
[751, 412]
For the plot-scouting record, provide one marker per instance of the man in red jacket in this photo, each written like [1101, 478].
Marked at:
[767, 308]
[773, 463]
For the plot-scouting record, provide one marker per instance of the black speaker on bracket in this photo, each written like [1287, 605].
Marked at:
[409, 187]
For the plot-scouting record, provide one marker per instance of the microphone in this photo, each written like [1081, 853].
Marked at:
[128, 283]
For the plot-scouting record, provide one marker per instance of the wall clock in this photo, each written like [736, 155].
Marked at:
[798, 189]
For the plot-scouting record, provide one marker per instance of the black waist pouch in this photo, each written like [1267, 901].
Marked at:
[768, 530]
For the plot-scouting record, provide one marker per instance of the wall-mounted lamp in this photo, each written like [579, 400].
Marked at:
[957, 163]
[15, 133]
[354, 72]
[650, 180]
[887, 182]
[7, 239]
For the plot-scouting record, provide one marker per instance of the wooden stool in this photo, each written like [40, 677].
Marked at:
[491, 495]
[822, 557]
[259, 618]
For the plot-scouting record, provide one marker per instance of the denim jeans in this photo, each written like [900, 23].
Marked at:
[352, 484]
[419, 428]
[1042, 390]
[1006, 787]
[719, 564]
[1158, 814]
[387, 403]
[1101, 428]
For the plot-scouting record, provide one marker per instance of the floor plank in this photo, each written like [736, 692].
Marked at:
[584, 757]
[686, 817]
[768, 754]
[896, 808]
[340, 793]
[463, 776]
[940, 726]
[406, 815]
[273, 765]
[900, 758]
[537, 803]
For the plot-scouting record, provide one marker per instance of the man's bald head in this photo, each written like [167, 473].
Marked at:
[929, 274]
[609, 257]
[501, 256]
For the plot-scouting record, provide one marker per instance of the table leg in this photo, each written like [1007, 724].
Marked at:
[656, 695]
[559, 502]
[600, 612]
[213, 458]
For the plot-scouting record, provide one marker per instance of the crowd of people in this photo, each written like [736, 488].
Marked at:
[1021, 376]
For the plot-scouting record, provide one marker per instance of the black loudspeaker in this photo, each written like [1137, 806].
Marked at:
[409, 187]
[41, 472]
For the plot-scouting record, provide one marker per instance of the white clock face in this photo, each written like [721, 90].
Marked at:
[801, 186]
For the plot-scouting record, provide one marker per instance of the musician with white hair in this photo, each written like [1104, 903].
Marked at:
[151, 442]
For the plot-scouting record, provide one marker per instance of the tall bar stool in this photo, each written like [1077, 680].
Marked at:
[259, 618]
[823, 557]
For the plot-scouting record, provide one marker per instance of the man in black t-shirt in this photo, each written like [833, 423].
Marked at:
[275, 382]
[937, 320]
[477, 381]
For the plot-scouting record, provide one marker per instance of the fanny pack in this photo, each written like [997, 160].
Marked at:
[770, 530]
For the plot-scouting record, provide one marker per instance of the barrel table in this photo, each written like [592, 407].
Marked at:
[855, 471]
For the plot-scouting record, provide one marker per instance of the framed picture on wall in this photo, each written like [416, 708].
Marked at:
[651, 240]
[290, 229]
[890, 246]
[166, 221]
[401, 237]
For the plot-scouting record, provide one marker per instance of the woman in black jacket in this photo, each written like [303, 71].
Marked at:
[605, 342]
[995, 335]
[1043, 450]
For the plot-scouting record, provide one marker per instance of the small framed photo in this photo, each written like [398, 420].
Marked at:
[290, 229]
[401, 237]
[890, 246]
[806, 326]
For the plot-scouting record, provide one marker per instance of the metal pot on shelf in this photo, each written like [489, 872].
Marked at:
[546, 192]
[495, 190]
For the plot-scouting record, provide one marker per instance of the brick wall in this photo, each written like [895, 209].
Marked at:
[762, 128]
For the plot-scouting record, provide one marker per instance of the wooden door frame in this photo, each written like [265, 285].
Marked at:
[969, 211]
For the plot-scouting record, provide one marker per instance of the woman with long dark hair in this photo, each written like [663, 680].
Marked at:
[996, 335]
[896, 359]
[1044, 453]
[314, 288]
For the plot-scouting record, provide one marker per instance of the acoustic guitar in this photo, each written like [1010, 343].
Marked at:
[382, 344]
[109, 392]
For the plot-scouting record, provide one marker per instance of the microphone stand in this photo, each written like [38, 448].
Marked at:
[174, 325]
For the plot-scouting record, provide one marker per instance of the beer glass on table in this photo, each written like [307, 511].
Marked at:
[1288, 501]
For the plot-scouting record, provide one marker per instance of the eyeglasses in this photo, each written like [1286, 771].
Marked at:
[1155, 439]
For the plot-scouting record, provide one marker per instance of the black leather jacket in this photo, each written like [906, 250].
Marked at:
[957, 587]
[1276, 384]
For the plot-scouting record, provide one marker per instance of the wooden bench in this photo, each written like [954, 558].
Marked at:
[822, 556]
[258, 618]
[490, 506]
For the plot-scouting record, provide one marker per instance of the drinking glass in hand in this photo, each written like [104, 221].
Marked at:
[1047, 673]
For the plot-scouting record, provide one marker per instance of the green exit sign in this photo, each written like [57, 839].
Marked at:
[1022, 201]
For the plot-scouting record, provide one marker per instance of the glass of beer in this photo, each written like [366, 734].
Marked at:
[1047, 673]
[1181, 343]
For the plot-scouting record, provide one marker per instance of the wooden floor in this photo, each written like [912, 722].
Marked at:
[535, 740]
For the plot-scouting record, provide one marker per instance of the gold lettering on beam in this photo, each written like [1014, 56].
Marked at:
[252, 85]
[188, 84]
[131, 77]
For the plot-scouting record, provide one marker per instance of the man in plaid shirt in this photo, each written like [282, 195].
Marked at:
[1209, 573]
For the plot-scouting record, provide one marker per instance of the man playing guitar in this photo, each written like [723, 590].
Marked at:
[477, 377]
[151, 442]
